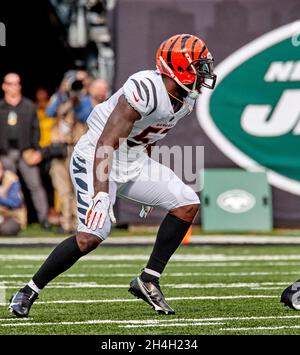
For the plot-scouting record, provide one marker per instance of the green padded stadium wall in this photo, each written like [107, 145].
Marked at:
[236, 200]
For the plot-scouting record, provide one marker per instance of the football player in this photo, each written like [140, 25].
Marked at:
[111, 160]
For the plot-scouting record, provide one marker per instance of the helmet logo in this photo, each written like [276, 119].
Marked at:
[135, 98]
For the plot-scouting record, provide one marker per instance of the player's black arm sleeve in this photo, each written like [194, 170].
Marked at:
[117, 128]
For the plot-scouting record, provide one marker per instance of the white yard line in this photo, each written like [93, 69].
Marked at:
[200, 264]
[64, 323]
[169, 299]
[106, 322]
[116, 300]
[177, 257]
[91, 266]
[149, 240]
[212, 321]
[171, 274]
[222, 285]
[267, 288]
[108, 266]
[158, 322]
[227, 264]
[13, 319]
[253, 273]
[18, 266]
[263, 328]
[171, 325]
[72, 285]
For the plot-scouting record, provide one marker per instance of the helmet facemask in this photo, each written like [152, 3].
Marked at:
[204, 70]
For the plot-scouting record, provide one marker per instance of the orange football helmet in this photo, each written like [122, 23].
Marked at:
[186, 59]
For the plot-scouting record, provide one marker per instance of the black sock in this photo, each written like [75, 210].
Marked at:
[170, 235]
[61, 259]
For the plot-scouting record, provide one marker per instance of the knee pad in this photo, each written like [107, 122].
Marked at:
[184, 194]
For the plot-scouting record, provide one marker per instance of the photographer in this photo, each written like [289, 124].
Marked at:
[64, 135]
[73, 89]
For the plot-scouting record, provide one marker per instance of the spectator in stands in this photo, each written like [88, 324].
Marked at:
[73, 89]
[67, 131]
[83, 93]
[83, 76]
[19, 141]
[46, 124]
[12, 209]
[98, 92]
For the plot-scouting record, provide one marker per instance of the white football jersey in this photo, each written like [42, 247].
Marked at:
[147, 94]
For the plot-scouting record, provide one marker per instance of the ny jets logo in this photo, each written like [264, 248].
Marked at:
[236, 201]
[266, 120]
[253, 115]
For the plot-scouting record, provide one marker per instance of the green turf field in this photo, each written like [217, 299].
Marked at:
[214, 290]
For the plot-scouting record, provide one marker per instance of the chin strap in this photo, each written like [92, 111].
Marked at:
[192, 93]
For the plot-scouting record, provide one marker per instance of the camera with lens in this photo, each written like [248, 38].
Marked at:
[75, 87]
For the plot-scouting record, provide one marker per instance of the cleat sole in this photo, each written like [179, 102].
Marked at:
[139, 295]
[165, 313]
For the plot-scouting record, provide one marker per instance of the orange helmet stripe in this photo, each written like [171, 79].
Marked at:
[169, 54]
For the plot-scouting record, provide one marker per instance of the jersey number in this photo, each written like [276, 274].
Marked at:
[142, 137]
